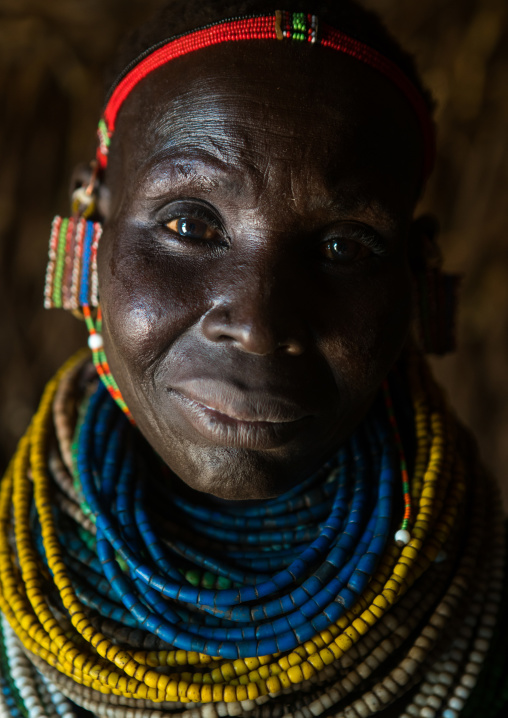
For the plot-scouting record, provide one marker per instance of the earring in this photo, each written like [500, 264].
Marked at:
[71, 275]
[435, 294]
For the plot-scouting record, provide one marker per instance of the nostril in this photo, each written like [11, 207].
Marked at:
[254, 338]
[295, 348]
[254, 334]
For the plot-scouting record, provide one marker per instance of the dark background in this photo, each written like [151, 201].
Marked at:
[52, 57]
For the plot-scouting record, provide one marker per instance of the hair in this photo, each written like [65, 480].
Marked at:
[176, 17]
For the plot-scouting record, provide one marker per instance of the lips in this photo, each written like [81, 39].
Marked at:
[225, 415]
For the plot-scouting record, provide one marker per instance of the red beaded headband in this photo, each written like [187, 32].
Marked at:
[298, 27]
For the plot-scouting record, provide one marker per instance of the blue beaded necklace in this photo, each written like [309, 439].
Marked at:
[281, 571]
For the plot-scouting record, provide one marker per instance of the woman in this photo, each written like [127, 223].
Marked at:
[284, 519]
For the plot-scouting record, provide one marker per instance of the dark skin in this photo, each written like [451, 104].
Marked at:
[254, 272]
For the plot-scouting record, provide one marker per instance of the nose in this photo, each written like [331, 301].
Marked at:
[257, 313]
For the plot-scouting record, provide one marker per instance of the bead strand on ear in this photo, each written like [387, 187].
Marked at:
[402, 536]
[71, 276]
[96, 344]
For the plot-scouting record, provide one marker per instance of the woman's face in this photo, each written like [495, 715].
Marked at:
[253, 269]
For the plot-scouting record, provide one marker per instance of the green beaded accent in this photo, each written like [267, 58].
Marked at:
[104, 133]
[110, 382]
[299, 26]
[87, 538]
[193, 577]
[122, 563]
[99, 358]
[60, 264]
[205, 579]
[406, 489]
[91, 543]
[208, 580]
[223, 582]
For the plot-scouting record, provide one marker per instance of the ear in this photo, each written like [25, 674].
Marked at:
[423, 249]
[435, 291]
[86, 178]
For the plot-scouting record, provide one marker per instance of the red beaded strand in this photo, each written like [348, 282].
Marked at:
[402, 534]
[280, 26]
[337, 40]
[99, 358]
[71, 277]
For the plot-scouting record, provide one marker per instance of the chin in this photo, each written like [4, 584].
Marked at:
[241, 479]
[241, 492]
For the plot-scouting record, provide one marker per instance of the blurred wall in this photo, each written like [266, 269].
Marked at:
[52, 55]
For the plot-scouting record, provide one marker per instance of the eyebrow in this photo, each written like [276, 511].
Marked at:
[358, 202]
[181, 166]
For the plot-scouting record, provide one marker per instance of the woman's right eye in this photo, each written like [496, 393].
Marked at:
[193, 228]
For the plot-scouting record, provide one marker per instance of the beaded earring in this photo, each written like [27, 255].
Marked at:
[71, 276]
[435, 293]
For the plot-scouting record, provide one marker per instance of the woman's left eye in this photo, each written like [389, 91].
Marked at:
[344, 251]
[192, 228]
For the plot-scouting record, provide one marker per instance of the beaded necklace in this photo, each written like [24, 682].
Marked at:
[303, 606]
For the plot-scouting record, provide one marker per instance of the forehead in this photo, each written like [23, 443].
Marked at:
[263, 108]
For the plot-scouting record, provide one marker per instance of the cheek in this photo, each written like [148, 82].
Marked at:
[146, 300]
[371, 323]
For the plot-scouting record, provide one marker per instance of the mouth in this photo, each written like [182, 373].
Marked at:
[228, 417]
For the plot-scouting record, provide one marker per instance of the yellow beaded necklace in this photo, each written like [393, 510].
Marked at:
[339, 661]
